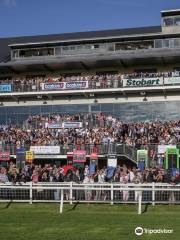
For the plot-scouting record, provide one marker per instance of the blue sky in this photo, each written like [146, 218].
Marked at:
[38, 17]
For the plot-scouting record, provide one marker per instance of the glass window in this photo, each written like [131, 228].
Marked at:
[65, 48]
[95, 107]
[46, 109]
[177, 21]
[96, 45]
[177, 42]
[168, 22]
[15, 53]
[166, 43]
[158, 43]
[58, 51]
[105, 107]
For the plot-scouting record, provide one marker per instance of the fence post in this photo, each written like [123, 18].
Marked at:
[112, 195]
[30, 192]
[153, 194]
[139, 203]
[61, 202]
[71, 192]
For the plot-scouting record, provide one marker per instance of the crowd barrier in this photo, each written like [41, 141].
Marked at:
[101, 149]
[70, 192]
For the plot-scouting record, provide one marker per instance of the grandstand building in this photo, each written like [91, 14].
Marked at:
[123, 51]
[137, 73]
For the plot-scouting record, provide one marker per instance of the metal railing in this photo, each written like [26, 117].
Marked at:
[71, 192]
[101, 149]
[111, 82]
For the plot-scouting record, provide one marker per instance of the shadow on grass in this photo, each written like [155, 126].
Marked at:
[146, 208]
[73, 208]
[7, 205]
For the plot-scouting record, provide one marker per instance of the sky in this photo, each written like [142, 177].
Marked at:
[41, 17]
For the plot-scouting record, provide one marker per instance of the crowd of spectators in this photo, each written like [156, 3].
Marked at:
[97, 129]
[85, 174]
[35, 83]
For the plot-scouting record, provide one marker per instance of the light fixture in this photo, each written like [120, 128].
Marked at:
[143, 93]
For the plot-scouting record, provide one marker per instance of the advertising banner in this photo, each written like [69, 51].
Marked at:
[64, 85]
[171, 80]
[145, 82]
[112, 161]
[72, 125]
[162, 148]
[45, 149]
[54, 125]
[79, 156]
[4, 156]
[5, 88]
[29, 156]
[172, 158]
[142, 159]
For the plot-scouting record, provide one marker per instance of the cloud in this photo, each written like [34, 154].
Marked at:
[9, 3]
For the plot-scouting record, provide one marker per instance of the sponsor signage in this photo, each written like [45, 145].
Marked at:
[45, 149]
[54, 125]
[79, 156]
[112, 160]
[4, 156]
[162, 148]
[65, 125]
[75, 85]
[29, 156]
[142, 159]
[145, 82]
[171, 80]
[64, 85]
[72, 125]
[5, 88]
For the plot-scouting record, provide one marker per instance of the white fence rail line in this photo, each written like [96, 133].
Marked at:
[71, 192]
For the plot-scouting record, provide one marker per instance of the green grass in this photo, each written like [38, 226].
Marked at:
[85, 222]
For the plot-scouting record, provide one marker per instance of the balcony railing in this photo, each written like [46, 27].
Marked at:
[113, 82]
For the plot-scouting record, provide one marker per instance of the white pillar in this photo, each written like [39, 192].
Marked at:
[112, 194]
[30, 192]
[139, 203]
[62, 199]
[71, 192]
[153, 194]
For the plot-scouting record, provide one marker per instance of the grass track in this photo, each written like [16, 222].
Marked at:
[85, 222]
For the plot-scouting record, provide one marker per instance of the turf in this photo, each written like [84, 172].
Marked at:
[85, 222]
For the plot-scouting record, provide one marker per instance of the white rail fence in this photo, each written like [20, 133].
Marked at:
[70, 192]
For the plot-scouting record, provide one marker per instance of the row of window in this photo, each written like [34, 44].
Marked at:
[145, 111]
[171, 21]
[95, 48]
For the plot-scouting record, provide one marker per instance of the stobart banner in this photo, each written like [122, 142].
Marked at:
[142, 82]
